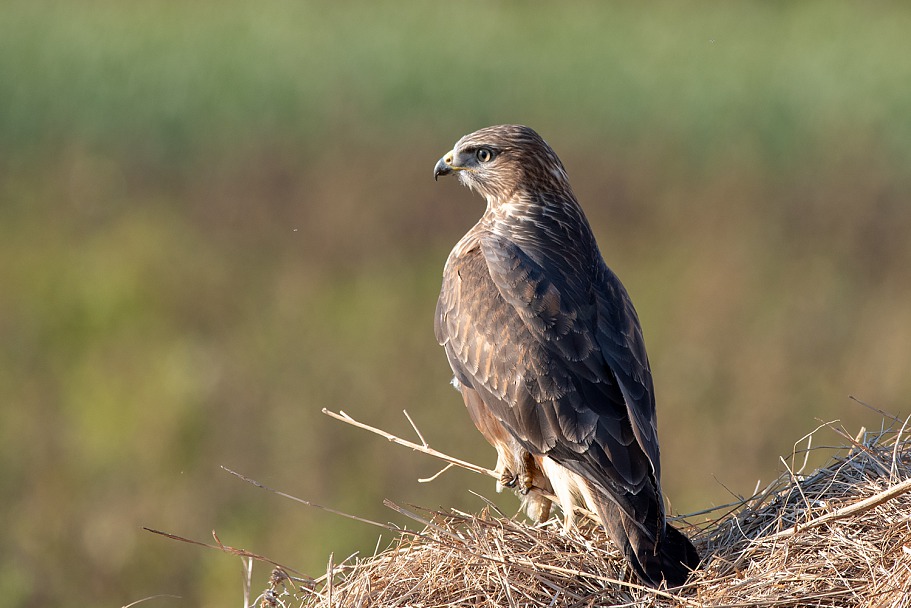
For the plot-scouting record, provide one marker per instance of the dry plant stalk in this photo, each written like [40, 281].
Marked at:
[840, 536]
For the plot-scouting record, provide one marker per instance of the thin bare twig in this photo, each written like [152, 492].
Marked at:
[425, 449]
[416, 429]
[882, 413]
[152, 597]
[248, 578]
[893, 470]
[856, 508]
[220, 546]
[435, 475]
[313, 504]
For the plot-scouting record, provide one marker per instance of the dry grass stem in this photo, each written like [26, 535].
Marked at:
[418, 447]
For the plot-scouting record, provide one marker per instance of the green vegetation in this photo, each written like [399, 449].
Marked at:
[217, 218]
[166, 78]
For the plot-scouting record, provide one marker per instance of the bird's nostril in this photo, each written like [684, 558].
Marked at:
[448, 159]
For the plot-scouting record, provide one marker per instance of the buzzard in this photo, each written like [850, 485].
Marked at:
[547, 351]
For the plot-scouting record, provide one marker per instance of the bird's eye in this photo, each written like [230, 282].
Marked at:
[484, 155]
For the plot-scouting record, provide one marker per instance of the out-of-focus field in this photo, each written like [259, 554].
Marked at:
[217, 218]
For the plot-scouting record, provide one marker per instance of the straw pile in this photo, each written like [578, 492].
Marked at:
[840, 536]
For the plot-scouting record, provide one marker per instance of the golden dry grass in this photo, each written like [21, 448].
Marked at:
[840, 536]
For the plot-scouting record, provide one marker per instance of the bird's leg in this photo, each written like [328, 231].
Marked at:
[507, 478]
[531, 477]
[527, 472]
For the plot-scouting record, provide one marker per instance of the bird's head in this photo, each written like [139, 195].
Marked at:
[502, 161]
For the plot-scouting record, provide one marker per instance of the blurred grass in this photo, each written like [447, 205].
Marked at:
[166, 78]
[217, 218]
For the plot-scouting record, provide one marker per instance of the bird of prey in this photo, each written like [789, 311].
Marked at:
[548, 354]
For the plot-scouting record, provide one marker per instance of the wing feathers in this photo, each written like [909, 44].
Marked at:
[538, 354]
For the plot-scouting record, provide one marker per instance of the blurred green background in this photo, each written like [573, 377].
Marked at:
[217, 218]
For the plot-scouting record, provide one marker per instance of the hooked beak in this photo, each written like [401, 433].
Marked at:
[443, 166]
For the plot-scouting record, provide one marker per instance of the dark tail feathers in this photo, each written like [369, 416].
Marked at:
[673, 560]
[670, 557]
